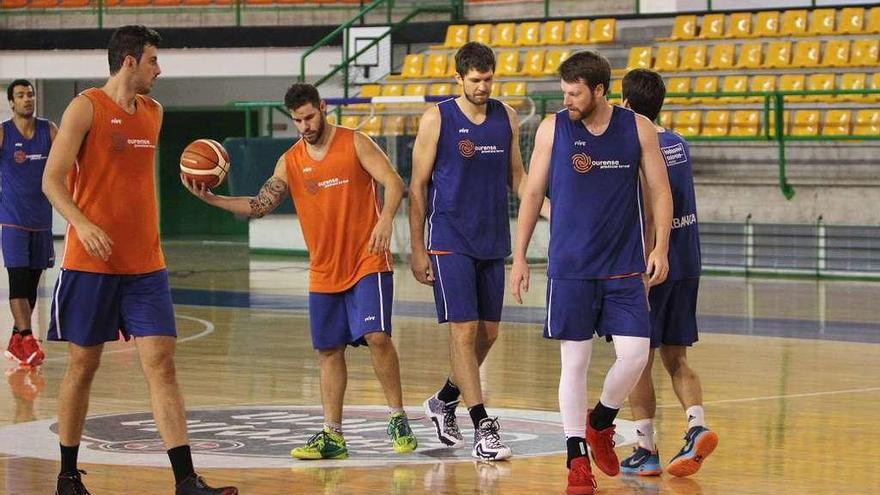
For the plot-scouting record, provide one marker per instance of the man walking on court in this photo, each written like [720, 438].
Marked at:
[25, 214]
[331, 174]
[673, 303]
[113, 276]
[465, 156]
[591, 154]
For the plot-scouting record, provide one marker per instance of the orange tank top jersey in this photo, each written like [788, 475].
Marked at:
[338, 208]
[113, 183]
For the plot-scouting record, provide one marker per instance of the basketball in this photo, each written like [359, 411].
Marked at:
[204, 161]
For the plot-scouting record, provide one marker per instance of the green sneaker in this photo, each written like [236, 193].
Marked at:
[401, 435]
[326, 444]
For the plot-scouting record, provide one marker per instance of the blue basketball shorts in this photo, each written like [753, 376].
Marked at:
[467, 289]
[576, 309]
[674, 312]
[92, 308]
[341, 318]
[27, 248]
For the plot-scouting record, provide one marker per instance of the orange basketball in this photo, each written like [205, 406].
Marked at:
[204, 161]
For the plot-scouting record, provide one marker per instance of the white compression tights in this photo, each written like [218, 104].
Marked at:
[632, 356]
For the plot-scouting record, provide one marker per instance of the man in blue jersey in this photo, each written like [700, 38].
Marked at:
[673, 303]
[592, 154]
[25, 215]
[465, 156]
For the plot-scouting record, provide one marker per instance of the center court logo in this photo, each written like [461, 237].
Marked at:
[467, 148]
[581, 163]
[262, 437]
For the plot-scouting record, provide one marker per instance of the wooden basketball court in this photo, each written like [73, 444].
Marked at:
[789, 373]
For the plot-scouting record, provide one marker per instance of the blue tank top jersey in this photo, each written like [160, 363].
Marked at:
[684, 241]
[596, 229]
[467, 194]
[22, 161]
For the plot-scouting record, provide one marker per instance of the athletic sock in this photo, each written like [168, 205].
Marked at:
[695, 417]
[577, 447]
[449, 392]
[24, 333]
[645, 432]
[602, 416]
[68, 458]
[181, 463]
[15, 330]
[478, 413]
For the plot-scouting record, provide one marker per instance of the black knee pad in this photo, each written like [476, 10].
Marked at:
[19, 282]
[33, 285]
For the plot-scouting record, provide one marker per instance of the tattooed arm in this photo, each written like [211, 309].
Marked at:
[269, 197]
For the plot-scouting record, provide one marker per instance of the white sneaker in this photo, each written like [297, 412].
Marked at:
[487, 443]
[442, 416]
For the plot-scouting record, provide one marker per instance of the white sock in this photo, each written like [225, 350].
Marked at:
[632, 356]
[334, 427]
[573, 386]
[695, 417]
[645, 432]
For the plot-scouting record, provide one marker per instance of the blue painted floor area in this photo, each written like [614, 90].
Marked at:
[867, 332]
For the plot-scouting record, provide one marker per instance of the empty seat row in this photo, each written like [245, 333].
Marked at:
[508, 34]
[865, 122]
[769, 82]
[510, 88]
[778, 55]
[798, 22]
[535, 63]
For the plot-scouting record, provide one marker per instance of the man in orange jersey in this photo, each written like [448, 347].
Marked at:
[113, 276]
[331, 174]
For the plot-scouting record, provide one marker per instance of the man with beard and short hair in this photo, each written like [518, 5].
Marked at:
[331, 175]
[25, 214]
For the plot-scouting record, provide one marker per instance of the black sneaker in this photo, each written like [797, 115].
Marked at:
[195, 485]
[71, 484]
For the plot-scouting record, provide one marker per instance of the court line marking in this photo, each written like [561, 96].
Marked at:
[209, 329]
[786, 396]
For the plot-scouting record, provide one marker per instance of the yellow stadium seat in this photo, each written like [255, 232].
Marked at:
[875, 85]
[739, 25]
[513, 88]
[350, 121]
[639, 58]
[578, 32]
[806, 54]
[553, 59]
[533, 63]
[850, 81]
[507, 63]
[805, 123]
[482, 33]
[370, 90]
[872, 24]
[372, 126]
[867, 122]
[415, 90]
[677, 85]
[836, 53]
[331, 118]
[687, 122]
[766, 25]
[794, 23]
[413, 65]
[722, 57]
[553, 33]
[778, 55]
[836, 123]
[395, 125]
[456, 35]
[744, 123]
[436, 65]
[529, 34]
[852, 20]
[684, 28]
[603, 30]
[705, 84]
[450, 65]
[820, 82]
[667, 58]
[712, 27]
[749, 56]
[440, 89]
[762, 83]
[734, 84]
[665, 119]
[792, 82]
[693, 57]
[505, 35]
[617, 89]
[822, 22]
[392, 90]
[864, 53]
[716, 123]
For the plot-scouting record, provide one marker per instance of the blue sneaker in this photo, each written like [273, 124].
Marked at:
[642, 462]
[698, 444]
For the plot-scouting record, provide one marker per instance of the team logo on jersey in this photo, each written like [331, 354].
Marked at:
[19, 156]
[311, 186]
[118, 141]
[466, 148]
[581, 163]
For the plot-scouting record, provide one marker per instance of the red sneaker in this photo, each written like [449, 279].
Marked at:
[32, 355]
[13, 349]
[601, 444]
[580, 478]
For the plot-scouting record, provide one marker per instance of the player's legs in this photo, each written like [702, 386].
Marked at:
[387, 367]
[157, 362]
[73, 404]
[645, 460]
[334, 380]
[685, 381]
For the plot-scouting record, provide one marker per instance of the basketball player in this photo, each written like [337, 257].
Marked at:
[331, 174]
[113, 276]
[465, 155]
[25, 214]
[591, 154]
[673, 303]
